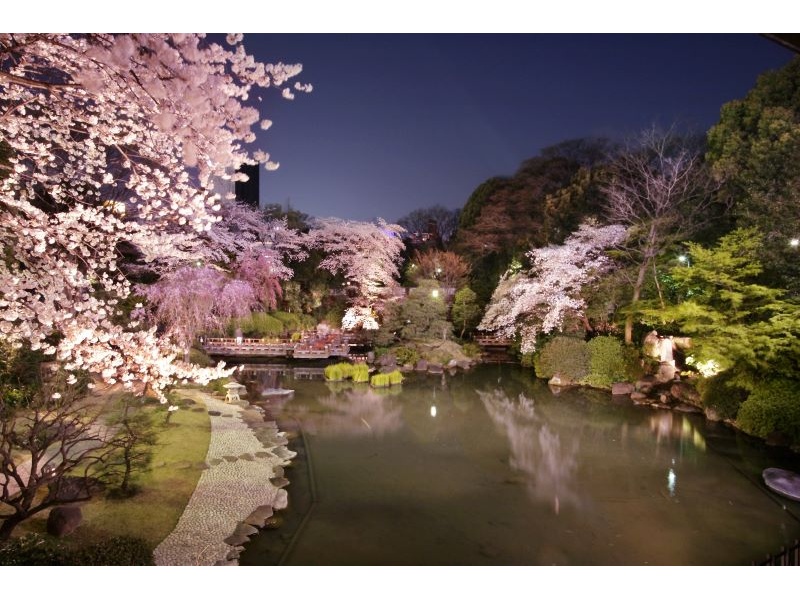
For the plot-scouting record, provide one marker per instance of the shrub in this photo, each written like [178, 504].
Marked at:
[567, 356]
[338, 371]
[406, 355]
[380, 380]
[217, 385]
[395, 378]
[360, 373]
[772, 407]
[257, 324]
[122, 551]
[721, 393]
[200, 358]
[610, 361]
[471, 350]
[38, 550]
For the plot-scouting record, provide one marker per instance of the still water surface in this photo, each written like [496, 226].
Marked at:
[490, 467]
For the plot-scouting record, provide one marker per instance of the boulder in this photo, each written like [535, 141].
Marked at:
[558, 381]
[63, 520]
[452, 363]
[464, 364]
[279, 482]
[636, 396]
[666, 372]
[422, 365]
[622, 388]
[407, 368]
[687, 408]
[712, 415]
[435, 368]
[387, 360]
[244, 529]
[645, 384]
[685, 392]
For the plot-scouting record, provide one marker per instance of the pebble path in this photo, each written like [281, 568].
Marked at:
[234, 495]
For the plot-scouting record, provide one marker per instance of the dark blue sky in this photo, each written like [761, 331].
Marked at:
[398, 122]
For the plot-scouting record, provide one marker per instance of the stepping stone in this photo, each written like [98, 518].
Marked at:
[244, 529]
[259, 516]
[281, 500]
[236, 540]
[215, 461]
[231, 458]
[246, 457]
[279, 482]
[263, 454]
[214, 413]
[278, 471]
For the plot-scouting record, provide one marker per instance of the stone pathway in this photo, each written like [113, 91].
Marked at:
[236, 493]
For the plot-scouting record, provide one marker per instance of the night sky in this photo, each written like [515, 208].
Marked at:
[398, 122]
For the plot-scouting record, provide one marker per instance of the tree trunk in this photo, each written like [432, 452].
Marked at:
[637, 291]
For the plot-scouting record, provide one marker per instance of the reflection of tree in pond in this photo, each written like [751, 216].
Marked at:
[536, 450]
[669, 426]
[355, 413]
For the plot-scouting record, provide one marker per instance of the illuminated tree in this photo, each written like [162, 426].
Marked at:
[540, 299]
[113, 140]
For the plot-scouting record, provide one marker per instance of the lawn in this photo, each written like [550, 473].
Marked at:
[164, 490]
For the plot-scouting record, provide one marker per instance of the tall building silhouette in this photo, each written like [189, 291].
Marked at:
[247, 191]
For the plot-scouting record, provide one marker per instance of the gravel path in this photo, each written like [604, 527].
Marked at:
[236, 493]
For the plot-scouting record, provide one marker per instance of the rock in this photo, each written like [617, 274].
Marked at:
[277, 472]
[685, 392]
[387, 360]
[435, 368]
[645, 384]
[388, 369]
[407, 368]
[63, 520]
[687, 408]
[464, 364]
[621, 389]
[214, 413]
[273, 522]
[557, 381]
[640, 400]
[281, 500]
[279, 482]
[666, 372]
[422, 365]
[259, 516]
[712, 415]
[664, 399]
[636, 396]
[244, 529]
[452, 364]
[236, 540]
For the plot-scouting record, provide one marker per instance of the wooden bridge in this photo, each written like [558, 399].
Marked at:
[308, 348]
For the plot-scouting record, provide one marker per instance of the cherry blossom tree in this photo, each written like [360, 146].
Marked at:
[113, 140]
[263, 272]
[195, 299]
[539, 300]
[367, 255]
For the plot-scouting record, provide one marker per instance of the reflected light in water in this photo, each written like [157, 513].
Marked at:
[433, 411]
[671, 480]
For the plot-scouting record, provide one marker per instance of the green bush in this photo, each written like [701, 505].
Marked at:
[721, 393]
[610, 361]
[528, 360]
[567, 356]
[216, 385]
[200, 358]
[471, 350]
[39, 550]
[338, 371]
[395, 378]
[380, 380]
[406, 355]
[122, 551]
[772, 407]
[360, 373]
[258, 325]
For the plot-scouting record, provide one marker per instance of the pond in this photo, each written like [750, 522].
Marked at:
[490, 467]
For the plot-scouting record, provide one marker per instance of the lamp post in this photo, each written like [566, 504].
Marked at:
[684, 260]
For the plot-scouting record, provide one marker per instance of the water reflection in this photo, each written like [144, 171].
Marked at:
[536, 450]
[355, 413]
[669, 426]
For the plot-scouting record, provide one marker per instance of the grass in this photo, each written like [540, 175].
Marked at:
[164, 490]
